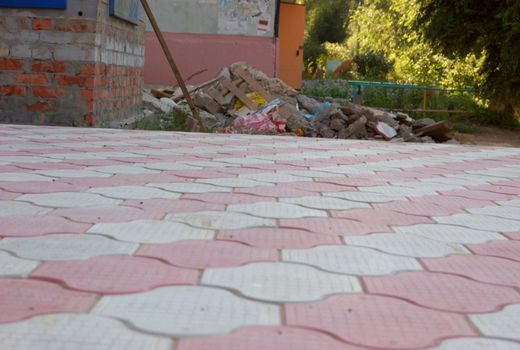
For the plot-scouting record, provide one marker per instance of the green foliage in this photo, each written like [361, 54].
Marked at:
[373, 66]
[327, 21]
[489, 28]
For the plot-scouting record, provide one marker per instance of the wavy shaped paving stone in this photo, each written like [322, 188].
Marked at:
[133, 192]
[333, 226]
[121, 169]
[189, 187]
[366, 197]
[454, 202]
[481, 268]
[14, 208]
[512, 203]
[443, 292]
[351, 260]
[12, 266]
[478, 195]
[381, 216]
[21, 299]
[274, 178]
[94, 215]
[115, 274]
[272, 192]
[502, 211]
[231, 182]
[69, 200]
[326, 203]
[276, 210]
[225, 198]
[377, 321]
[28, 187]
[406, 244]
[278, 238]
[160, 207]
[509, 249]
[502, 324]
[203, 254]
[216, 220]
[22, 226]
[151, 231]
[281, 282]
[420, 209]
[188, 311]
[271, 338]
[66, 247]
[450, 233]
[477, 344]
[69, 173]
[79, 332]
[482, 222]
[20, 177]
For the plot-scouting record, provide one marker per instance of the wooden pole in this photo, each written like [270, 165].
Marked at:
[173, 66]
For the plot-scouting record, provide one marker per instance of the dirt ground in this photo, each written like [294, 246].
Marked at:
[492, 136]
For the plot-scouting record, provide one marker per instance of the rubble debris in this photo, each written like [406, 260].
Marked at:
[244, 99]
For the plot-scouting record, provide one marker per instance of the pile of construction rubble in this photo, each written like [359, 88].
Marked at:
[242, 99]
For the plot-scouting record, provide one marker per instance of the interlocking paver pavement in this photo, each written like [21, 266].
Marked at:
[113, 239]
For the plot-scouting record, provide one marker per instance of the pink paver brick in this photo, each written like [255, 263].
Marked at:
[20, 299]
[276, 166]
[115, 274]
[443, 292]
[48, 166]
[379, 322]
[278, 238]
[513, 235]
[161, 207]
[417, 208]
[496, 189]
[6, 196]
[274, 191]
[109, 214]
[381, 216]
[35, 187]
[26, 226]
[501, 249]
[225, 198]
[333, 226]
[203, 254]
[481, 268]
[268, 338]
[199, 174]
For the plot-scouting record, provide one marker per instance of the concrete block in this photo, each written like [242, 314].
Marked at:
[75, 53]
[21, 51]
[57, 37]
[15, 24]
[41, 53]
[4, 50]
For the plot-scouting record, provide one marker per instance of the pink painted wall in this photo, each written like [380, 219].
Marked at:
[195, 52]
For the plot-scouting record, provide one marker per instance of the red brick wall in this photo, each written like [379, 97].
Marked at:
[69, 71]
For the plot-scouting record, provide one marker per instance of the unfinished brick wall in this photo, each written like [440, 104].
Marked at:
[78, 67]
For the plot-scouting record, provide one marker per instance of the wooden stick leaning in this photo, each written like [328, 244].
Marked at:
[173, 66]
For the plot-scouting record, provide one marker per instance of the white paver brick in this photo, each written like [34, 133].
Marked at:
[502, 211]
[14, 208]
[66, 247]
[151, 231]
[450, 233]
[188, 311]
[281, 282]
[502, 324]
[275, 178]
[78, 332]
[482, 222]
[13, 266]
[122, 169]
[233, 182]
[21, 177]
[71, 173]
[69, 200]
[169, 166]
[215, 220]
[276, 210]
[352, 260]
[365, 197]
[406, 245]
[133, 192]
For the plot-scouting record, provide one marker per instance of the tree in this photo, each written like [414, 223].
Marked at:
[487, 28]
[327, 21]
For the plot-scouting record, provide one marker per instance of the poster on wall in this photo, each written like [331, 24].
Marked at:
[127, 10]
[246, 17]
[42, 4]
